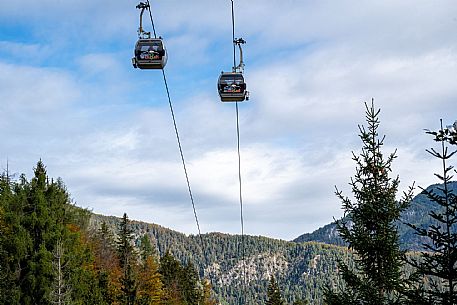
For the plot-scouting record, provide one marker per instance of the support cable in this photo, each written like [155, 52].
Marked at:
[233, 37]
[179, 145]
[239, 164]
[241, 201]
[182, 157]
[152, 20]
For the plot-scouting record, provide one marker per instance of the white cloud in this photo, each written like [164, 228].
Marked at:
[38, 90]
[98, 63]
[106, 128]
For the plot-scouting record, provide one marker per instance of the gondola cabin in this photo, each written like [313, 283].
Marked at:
[150, 53]
[231, 87]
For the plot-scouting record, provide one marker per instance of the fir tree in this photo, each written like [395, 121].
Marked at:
[190, 285]
[125, 248]
[369, 225]
[273, 293]
[438, 263]
[40, 223]
[127, 261]
[171, 271]
[38, 214]
[145, 247]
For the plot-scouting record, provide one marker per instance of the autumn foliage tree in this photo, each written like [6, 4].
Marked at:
[150, 287]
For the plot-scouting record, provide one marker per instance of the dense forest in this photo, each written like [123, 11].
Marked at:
[302, 270]
[48, 254]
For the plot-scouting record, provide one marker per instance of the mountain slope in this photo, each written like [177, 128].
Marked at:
[417, 213]
[302, 269]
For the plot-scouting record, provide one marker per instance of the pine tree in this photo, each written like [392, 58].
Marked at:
[369, 225]
[273, 293]
[438, 263]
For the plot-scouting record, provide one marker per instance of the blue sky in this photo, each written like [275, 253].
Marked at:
[69, 95]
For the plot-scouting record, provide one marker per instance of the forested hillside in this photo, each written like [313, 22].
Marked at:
[417, 214]
[301, 269]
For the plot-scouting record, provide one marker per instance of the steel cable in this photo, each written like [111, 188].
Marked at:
[180, 146]
[239, 164]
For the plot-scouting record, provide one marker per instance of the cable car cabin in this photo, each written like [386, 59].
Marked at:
[150, 53]
[231, 87]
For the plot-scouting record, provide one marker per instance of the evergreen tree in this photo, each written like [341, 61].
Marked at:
[181, 283]
[191, 287]
[273, 293]
[369, 226]
[127, 261]
[171, 271]
[438, 263]
[37, 215]
[145, 247]
[129, 285]
[12, 244]
[125, 248]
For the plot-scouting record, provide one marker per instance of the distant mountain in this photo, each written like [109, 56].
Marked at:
[302, 269]
[327, 234]
[417, 213]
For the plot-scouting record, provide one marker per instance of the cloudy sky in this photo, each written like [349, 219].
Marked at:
[69, 95]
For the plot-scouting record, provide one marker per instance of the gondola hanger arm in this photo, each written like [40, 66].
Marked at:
[141, 32]
[240, 67]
